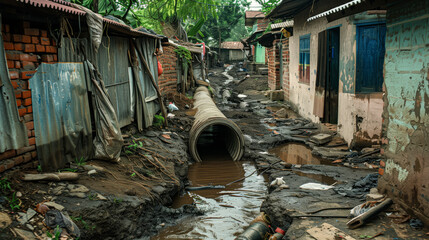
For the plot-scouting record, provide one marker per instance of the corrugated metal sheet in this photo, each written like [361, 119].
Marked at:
[254, 14]
[282, 24]
[112, 62]
[232, 45]
[334, 10]
[62, 120]
[57, 5]
[13, 133]
[288, 8]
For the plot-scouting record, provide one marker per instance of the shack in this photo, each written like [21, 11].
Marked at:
[70, 75]
[231, 52]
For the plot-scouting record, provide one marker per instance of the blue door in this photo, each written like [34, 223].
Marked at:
[370, 57]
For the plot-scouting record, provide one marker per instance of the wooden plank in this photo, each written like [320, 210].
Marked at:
[328, 232]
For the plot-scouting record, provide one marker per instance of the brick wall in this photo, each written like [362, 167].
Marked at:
[168, 79]
[26, 47]
[262, 23]
[286, 61]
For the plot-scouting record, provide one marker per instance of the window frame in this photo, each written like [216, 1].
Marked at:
[304, 59]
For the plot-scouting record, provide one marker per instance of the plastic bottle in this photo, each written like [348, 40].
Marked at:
[279, 234]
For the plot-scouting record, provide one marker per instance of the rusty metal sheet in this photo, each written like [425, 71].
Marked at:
[62, 120]
[57, 5]
[13, 133]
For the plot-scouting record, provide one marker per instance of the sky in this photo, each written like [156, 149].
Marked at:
[254, 5]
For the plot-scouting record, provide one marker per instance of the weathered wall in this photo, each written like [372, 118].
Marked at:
[26, 45]
[406, 110]
[357, 119]
[286, 62]
[236, 55]
[273, 66]
[168, 79]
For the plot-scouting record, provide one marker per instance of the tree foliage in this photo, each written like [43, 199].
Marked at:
[268, 5]
[222, 25]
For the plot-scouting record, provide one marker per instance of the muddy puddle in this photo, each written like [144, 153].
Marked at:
[227, 211]
[300, 154]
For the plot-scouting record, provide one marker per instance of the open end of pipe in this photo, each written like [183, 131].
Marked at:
[220, 137]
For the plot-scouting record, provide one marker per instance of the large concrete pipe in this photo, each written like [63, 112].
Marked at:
[211, 123]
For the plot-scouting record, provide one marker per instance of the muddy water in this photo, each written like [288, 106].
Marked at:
[227, 211]
[299, 154]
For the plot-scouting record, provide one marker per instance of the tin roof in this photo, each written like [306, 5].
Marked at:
[282, 24]
[288, 8]
[232, 45]
[255, 14]
[334, 10]
[59, 5]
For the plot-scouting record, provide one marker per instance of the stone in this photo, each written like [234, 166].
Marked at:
[23, 234]
[284, 186]
[77, 194]
[374, 197]
[276, 95]
[244, 105]
[373, 191]
[5, 220]
[25, 217]
[58, 190]
[91, 172]
[131, 192]
[30, 227]
[18, 194]
[70, 186]
[101, 197]
[158, 189]
[79, 189]
[321, 138]
[282, 113]
[54, 205]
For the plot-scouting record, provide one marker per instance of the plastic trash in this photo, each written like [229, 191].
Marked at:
[170, 115]
[54, 218]
[277, 182]
[315, 186]
[172, 107]
[241, 96]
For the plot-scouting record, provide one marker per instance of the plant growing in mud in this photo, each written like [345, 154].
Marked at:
[5, 185]
[135, 145]
[184, 54]
[56, 235]
[158, 120]
[83, 223]
[14, 202]
[80, 161]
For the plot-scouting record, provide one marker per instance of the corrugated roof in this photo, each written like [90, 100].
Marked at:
[57, 5]
[67, 7]
[288, 8]
[232, 45]
[255, 14]
[334, 10]
[282, 24]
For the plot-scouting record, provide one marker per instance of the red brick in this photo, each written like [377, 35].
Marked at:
[18, 102]
[19, 46]
[28, 117]
[25, 24]
[34, 153]
[40, 48]
[13, 74]
[7, 154]
[29, 48]
[8, 46]
[7, 37]
[51, 49]
[2, 168]
[22, 111]
[30, 109]
[18, 160]
[18, 94]
[31, 31]
[10, 64]
[381, 171]
[29, 125]
[24, 85]
[33, 133]
[32, 141]
[12, 56]
[47, 58]
[27, 102]
[43, 33]
[45, 41]
[17, 38]
[35, 40]
[17, 64]
[55, 58]
[382, 163]
[27, 157]
[28, 65]
[28, 132]
[9, 164]
[25, 150]
[15, 84]
[54, 43]
[26, 39]
[28, 57]
[26, 94]
[27, 74]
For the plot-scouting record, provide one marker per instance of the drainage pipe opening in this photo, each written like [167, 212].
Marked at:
[212, 129]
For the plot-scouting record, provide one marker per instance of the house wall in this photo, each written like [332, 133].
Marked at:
[168, 79]
[286, 69]
[236, 55]
[273, 59]
[359, 115]
[26, 46]
[406, 109]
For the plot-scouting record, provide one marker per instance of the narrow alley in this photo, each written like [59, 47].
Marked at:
[214, 119]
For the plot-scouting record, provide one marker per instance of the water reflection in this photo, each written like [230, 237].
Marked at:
[228, 210]
[296, 153]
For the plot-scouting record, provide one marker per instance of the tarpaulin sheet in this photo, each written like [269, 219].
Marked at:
[61, 114]
[13, 133]
[108, 141]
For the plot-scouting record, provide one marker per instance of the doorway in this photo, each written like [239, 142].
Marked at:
[330, 114]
